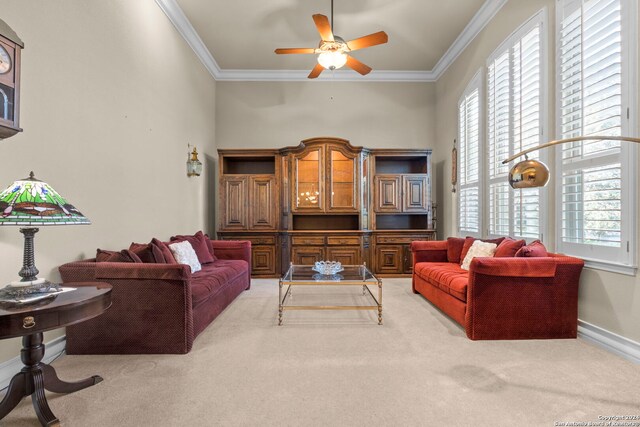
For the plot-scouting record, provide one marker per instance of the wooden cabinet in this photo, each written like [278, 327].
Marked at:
[388, 193]
[401, 193]
[342, 178]
[415, 194]
[263, 203]
[307, 255]
[325, 199]
[392, 251]
[325, 178]
[264, 251]
[234, 203]
[308, 181]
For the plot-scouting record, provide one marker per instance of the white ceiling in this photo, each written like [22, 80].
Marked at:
[235, 40]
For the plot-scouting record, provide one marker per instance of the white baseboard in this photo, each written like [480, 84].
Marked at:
[610, 341]
[8, 369]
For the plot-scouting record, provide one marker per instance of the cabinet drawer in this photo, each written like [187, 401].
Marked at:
[399, 239]
[262, 240]
[307, 240]
[343, 240]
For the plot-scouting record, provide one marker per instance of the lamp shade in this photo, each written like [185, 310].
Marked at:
[332, 60]
[529, 174]
[31, 202]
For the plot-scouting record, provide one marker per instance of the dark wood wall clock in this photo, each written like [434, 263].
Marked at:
[10, 48]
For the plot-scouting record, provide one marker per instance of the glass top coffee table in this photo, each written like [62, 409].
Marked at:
[352, 275]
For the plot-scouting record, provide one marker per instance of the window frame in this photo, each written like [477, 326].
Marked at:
[626, 262]
[474, 84]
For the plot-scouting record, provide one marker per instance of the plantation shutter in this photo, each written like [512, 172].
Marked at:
[514, 91]
[591, 87]
[469, 161]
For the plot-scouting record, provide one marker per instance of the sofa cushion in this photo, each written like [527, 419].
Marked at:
[508, 248]
[143, 251]
[468, 241]
[213, 277]
[454, 249]
[533, 249]
[447, 276]
[199, 243]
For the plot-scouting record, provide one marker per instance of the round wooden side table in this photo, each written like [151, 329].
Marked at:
[30, 321]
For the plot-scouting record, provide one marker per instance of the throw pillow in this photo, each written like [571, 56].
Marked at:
[113, 256]
[184, 254]
[533, 250]
[508, 248]
[468, 241]
[164, 249]
[454, 249]
[478, 249]
[199, 243]
[143, 251]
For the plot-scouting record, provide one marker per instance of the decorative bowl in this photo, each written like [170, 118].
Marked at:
[327, 268]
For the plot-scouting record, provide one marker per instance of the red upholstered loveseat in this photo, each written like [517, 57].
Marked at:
[157, 308]
[501, 298]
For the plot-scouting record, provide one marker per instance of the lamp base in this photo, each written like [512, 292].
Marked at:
[37, 282]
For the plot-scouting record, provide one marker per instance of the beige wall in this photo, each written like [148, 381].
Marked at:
[111, 95]
[610, 301]
[276, 114]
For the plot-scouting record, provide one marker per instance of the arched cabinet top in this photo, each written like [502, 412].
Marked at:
[343, 144]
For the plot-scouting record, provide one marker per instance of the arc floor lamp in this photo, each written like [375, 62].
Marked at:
[531, 173]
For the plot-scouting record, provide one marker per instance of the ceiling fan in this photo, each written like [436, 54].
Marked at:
[333, 51]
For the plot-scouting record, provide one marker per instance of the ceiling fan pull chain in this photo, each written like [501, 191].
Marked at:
[332, 17]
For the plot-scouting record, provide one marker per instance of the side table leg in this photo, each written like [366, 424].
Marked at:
[56, 385]
[39, 400]
[16, 391]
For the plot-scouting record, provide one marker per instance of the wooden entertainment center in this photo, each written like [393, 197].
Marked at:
[326, 200]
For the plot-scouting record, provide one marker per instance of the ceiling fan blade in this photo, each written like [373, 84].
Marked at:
[324, 27]
[358, 66]
[371, 40]
[286, 50]
[316, 71]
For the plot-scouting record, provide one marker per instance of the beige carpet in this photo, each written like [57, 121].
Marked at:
[341, 368]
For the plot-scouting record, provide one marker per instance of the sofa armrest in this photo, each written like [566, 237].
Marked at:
[429, 251]
[523, 298]
[234, 249]
[151, 310]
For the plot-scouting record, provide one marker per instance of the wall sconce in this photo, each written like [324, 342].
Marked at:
[194, 166]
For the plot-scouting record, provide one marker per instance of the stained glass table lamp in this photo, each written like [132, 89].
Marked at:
[31, 203]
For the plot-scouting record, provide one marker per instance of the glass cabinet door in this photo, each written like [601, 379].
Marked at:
[342, 181]
[308, 181]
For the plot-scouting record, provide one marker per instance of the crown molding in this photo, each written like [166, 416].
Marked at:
[480, 20]
[344, 75]
[177, 17]
[174, 12]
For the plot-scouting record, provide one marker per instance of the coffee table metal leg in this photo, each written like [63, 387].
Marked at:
[379, 302]
[280, 303]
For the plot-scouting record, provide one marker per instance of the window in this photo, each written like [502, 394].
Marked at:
[514, 123]
[594, 69]
[469, 196]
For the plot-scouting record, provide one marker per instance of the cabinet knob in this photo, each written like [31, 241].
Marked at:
[28, 322]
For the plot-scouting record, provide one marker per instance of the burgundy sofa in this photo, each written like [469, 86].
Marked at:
[500, 298]
[157, 308]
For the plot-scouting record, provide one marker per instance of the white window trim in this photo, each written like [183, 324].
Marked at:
[539, 18]
[476, 82]
[629, 150]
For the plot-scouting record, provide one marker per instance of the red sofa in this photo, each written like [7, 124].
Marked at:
[157, 308]
[501, 298]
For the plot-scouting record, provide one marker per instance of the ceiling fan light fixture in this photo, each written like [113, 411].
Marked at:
[332, 60]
